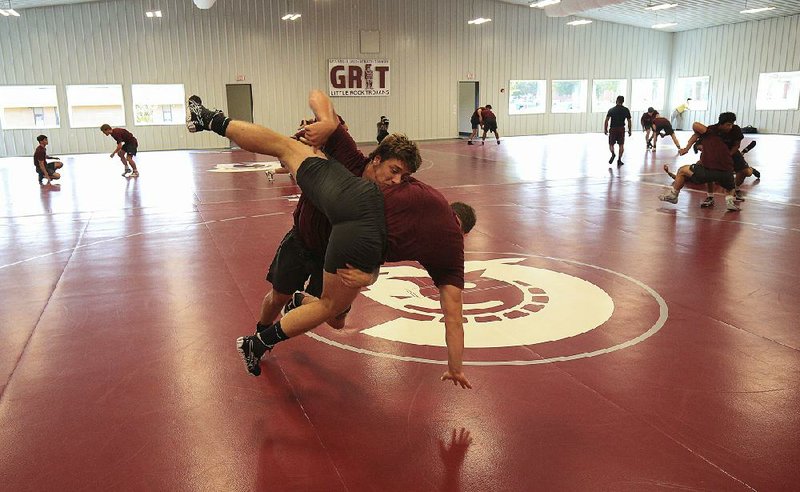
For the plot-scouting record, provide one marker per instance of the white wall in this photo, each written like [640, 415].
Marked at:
[733, 56]
[429, 43]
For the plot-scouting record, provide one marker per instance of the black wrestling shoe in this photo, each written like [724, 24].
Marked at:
[756, 172]
[251, 349]
[749, 147]
[469, 142]
[199, 118]
[295, 302]
[708, 202]
[612, 158]
[620, 164]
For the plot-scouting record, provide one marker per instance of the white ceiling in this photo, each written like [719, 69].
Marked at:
[694, 14]
[26, 4]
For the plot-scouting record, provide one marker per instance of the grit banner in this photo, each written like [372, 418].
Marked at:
[358, 77]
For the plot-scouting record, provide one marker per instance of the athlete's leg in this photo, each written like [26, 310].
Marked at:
[271, 306]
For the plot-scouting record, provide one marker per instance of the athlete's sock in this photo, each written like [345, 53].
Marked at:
[219, 124]
[272, 335]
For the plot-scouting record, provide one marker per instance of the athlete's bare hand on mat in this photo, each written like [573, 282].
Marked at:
[457, 378]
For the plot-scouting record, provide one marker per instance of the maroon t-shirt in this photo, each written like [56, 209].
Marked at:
[732, 138]
[715, 154]
[647, 120]
[661, 123]
[488, 115]
[123, 135]
[39, 155]
[420, 224]
[422, 227]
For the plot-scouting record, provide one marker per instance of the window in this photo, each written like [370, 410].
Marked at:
[695, 88]
[93, 105]
[527, 96]
[28, 106]
[156, 104]
[778, 90]
[569, 96]
[647, 93]
[605, 92]
[38, 117]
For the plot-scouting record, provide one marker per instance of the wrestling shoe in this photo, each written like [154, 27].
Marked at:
[738, 196]
[126, 172]
[708, 202]
[498, 142]
[669, 195]
[270, 175]
[612, 158]
[135, 174]
[749, 147]
[730, 204]
[469, 142]
[199, 118]
[620, 164]
[251, 349]
[295, 302]
[756, 173]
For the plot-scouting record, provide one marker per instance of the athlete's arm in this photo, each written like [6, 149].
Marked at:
[116, 151]
[452, 306]
[605, 125]
[699, 128]
[689, 144]
[317, 133]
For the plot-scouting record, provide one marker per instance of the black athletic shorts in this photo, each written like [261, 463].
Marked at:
[474, 122]
[666, 130]
[702, 175]
[129, 149]
[293, 265]
[49, 166]
[354, 207]
[490, 125]
[616, 136]
[739, 164]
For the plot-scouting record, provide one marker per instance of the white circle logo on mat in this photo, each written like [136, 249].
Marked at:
[506, 304]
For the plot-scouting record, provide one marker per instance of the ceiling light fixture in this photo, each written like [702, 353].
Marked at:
[9, 11]
[479, 20]
[544, 3]
[663, 6]
[291, 17]
[663, 25]
[755, 11]
[579, 22]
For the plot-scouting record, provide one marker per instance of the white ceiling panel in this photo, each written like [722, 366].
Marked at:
[695, 14]
[28, 4]
[688, 15]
